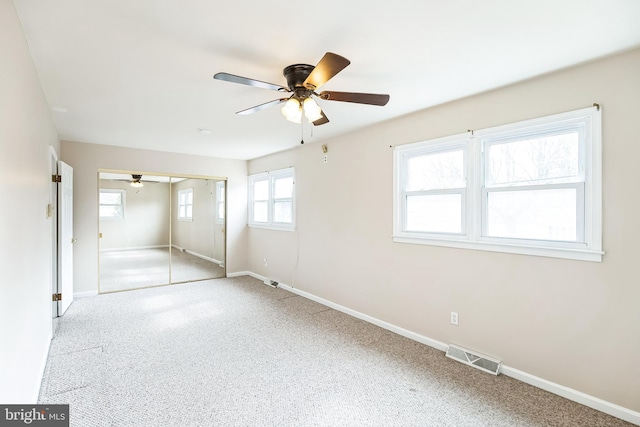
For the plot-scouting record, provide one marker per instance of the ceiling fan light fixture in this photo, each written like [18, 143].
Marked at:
[302, 82]
[137, 184]
[311, 110]
[292, 110]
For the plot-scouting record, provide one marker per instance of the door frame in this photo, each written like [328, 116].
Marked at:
[66, 240]
[52, 214]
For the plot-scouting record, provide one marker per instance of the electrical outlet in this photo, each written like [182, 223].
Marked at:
[454, 318]
[266, 261]
[326, 158]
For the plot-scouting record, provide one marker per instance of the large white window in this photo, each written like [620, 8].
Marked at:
[112, 203]
[530, 187]
[185, 204]
[272, 199]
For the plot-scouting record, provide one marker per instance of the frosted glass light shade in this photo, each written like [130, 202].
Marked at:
[292, 110]
[311, 110]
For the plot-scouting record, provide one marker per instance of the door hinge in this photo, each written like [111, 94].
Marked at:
[56, 178]
[57, 297]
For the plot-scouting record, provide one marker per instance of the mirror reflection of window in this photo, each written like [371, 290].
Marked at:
[220, 201]
[112, 203]
[185, 204]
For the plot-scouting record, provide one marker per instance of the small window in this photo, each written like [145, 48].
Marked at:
[220, 201]
[112, 203]
[185, 204]
[271, 199]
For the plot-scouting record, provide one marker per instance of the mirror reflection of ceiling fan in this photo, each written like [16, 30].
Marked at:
[302, 82]
[136, 181]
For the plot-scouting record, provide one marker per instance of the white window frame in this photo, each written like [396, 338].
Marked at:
[180, 204]
[221, 197]
[271, 177]
[588, 246]
[123, 194]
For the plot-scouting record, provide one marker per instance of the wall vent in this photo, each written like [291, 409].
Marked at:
[270, 282]
[475, 359]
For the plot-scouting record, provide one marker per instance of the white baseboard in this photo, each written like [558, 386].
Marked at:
[42, 367]
[204, 257]
[245, 273]
[84, 294]
[134, 248]
[385, 325]
[560, 390]
[574, 395]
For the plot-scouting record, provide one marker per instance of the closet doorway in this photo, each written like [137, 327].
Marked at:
[159, 229]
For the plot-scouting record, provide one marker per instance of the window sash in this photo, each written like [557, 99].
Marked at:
[536, 132]
[579, 231]
[435, 193]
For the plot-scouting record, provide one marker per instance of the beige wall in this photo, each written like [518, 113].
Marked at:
[26, 132]
[574, 323]
[146, 219]
[86, 159]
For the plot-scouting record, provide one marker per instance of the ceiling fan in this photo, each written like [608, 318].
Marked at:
[302, 82]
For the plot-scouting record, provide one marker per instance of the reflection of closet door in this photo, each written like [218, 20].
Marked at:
[197, 236]
[134, 226]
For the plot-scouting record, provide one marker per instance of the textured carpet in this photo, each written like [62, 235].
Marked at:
[142, 268]
[234, 352]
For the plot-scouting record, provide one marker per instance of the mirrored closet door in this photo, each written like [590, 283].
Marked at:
[157, 229]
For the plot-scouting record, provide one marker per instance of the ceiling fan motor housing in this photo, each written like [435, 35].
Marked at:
[296, 74]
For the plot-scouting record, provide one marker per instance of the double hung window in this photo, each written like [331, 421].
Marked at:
[531, 187]
[272, 199]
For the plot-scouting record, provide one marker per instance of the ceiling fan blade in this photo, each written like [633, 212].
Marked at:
[262, 106]
[330, 65]
[249, 82]
[359, 98]
[322, 120]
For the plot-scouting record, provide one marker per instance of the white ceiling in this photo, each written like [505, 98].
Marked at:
[138, 73]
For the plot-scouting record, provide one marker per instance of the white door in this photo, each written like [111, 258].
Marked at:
[65, 236]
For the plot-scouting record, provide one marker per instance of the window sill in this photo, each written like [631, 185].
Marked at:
[566, 253]
[272, 227]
